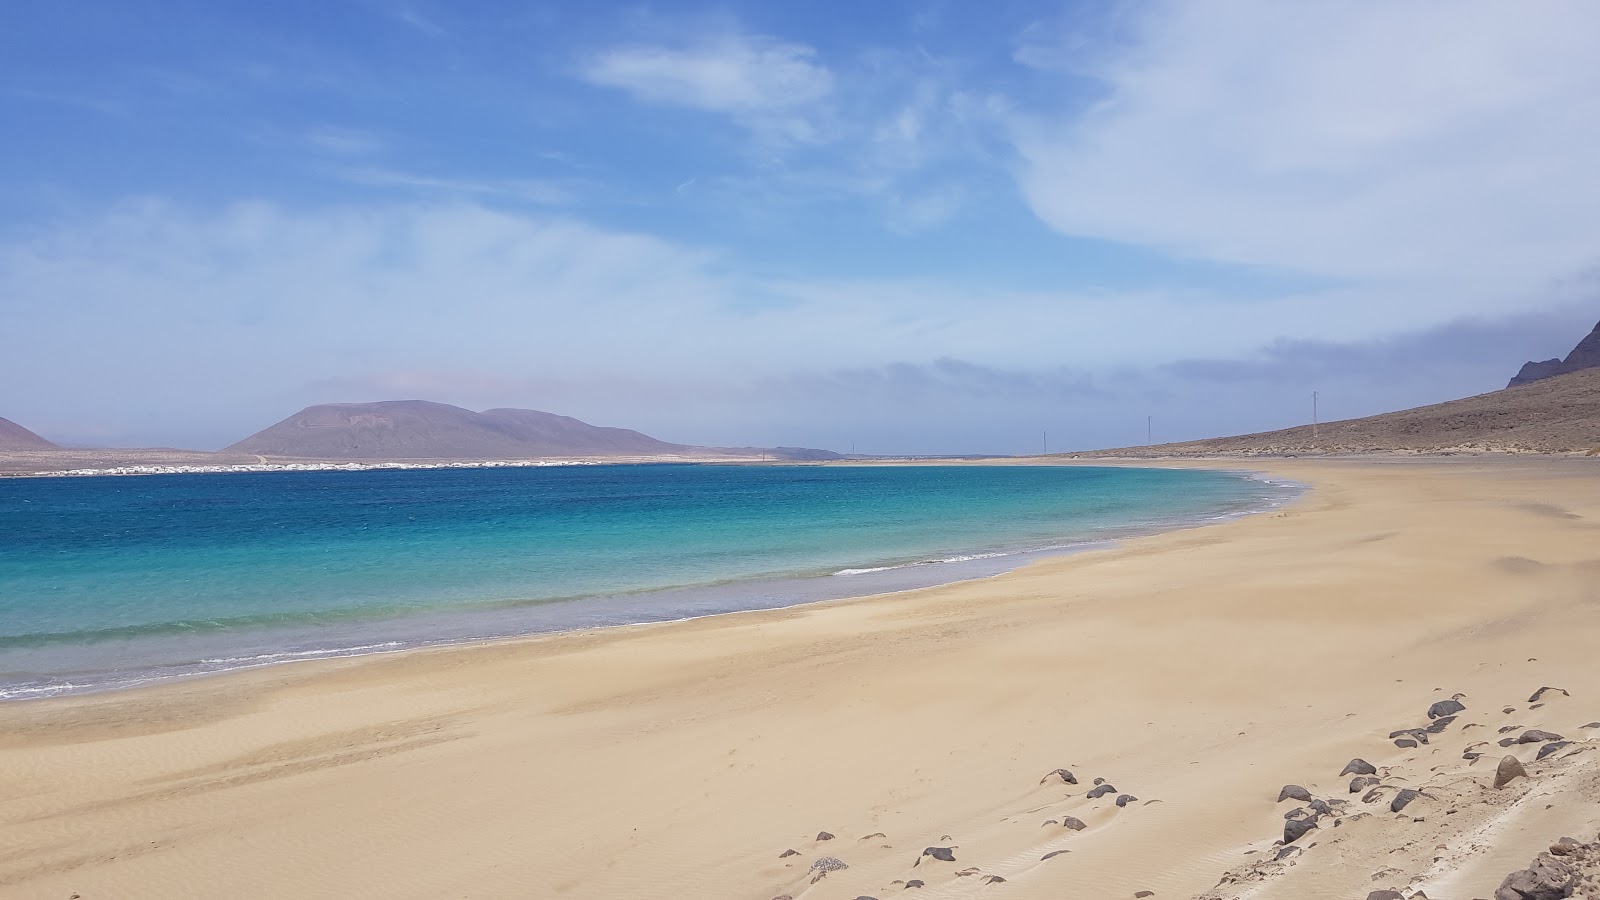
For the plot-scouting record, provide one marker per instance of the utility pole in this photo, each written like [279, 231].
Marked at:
[1047, 443]
[1314, 423]
[1149, 430]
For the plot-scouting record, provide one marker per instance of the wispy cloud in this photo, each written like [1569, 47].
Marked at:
[1390, 141]
[344, 141]
[770, 86]
[531, 190]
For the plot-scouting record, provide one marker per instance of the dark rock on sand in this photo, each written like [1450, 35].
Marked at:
[993, 879]
[1101, 791]
[1566, 847]
[1063, 774]
[1286, 852]
[1405, 743]
[1144, 893]
[1385, 895]
[1507, 742]
[828, 864]
[1552, 747]
[1073, 822]
[1509, 710]
[1591, 725]
[1507, 729]
[1099, 781]
[1542, 691]
[1470, 756]
[1546, 879]
[945, 853]
[1535, 736]
[1125, 799]
[1294, 792]
[1362, 782]
[1295, 829]
[1439, 725]
[914, 883]
[1510, 768]
[824, 836]
[1358, 766]
[1445, 708]
[1053, 853]
[1417, 734]
[788, 853]
[1403, 799]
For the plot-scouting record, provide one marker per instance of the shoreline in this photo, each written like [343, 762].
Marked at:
[1198, 670]
[493, 624]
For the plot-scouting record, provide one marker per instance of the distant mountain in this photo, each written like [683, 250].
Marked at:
[15, 437]
[1584, 356]
[1560, 414]
[421, 429]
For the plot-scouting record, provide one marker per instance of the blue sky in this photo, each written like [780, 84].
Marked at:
[911, 227]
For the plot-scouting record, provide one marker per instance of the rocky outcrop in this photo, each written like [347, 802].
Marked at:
[1584, 356]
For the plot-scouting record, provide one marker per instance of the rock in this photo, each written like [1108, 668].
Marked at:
[1125, 799]
[1373, 796]
[1295, 829]
[1053, 853]
[1144, 893]
[1073, 822]
[1535, 736]
[1403, 799]
[1294, 792]
[1541, 692]
[828, 864]
[1099, 781]
[1591, 725]
[993, 879]
[1286, 852]
[779, 897]
[1552, 747]
[1470, 756]
[1050, 822]
[1507, 729]
[875, 834]
[914, 883]
[945, 853]
[1405, 743]
[865, 897]
[1417, 734]
[1358, 766]
[824, 836]
[1385, 895]
[1063, 774]
[1509, 710]
[1565, 847]
[1439, 725]
[1445, 708]
[1510, 768]
[1507, 742]
[1101, 791]
[788, 853]
[1362, 782]
[1299, 812]
[1546, 879]
[1321, 808]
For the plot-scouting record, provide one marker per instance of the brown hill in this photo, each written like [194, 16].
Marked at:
[1553, 415]
[15, 437]
[1584, 356]
[421, 429]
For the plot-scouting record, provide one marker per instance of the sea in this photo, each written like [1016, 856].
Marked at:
[114, 582]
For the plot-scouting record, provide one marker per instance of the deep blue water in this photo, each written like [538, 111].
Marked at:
[116, 580]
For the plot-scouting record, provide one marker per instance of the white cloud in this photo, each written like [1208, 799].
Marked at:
[1447, 148]
[769, 85]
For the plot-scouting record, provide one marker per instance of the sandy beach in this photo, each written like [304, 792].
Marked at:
[1197, 671]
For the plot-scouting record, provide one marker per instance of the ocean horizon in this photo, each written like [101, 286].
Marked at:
[115, 582]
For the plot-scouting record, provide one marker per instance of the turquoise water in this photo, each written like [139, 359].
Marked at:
[114, 581]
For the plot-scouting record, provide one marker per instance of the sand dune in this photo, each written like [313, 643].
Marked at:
[1197, 671]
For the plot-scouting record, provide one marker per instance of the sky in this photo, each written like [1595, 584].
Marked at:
[892, 227]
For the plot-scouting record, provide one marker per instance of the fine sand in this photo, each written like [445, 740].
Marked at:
[1199, 671]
